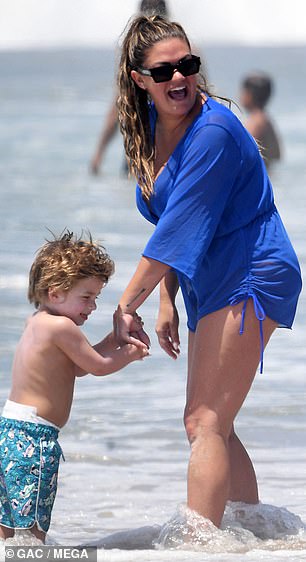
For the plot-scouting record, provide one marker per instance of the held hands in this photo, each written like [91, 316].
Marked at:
[167, 330]
[134, 352]
[128, 328]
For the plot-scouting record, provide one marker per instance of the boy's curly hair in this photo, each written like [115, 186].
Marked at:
[61, 262]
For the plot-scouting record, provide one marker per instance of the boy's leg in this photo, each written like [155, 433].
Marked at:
[41, 535]
[31, 488]
[6, 533]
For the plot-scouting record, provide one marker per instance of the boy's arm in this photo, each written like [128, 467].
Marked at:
[107, 345]
[72, 342]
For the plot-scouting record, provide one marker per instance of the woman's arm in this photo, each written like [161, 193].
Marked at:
[169, 286]
[147, 275]
[168, 320]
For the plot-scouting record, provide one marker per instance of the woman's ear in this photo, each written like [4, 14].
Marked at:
[138, 79]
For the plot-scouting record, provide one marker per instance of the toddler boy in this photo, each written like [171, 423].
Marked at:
[65, 280]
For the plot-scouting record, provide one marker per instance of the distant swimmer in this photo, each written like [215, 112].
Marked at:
[256, 90]
[111, 121]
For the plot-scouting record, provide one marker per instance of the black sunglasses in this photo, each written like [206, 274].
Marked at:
[164, 73]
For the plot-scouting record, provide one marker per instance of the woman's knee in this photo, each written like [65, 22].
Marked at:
[200, 423]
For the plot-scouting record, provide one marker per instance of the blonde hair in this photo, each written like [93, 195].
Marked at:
[61, 262]
[133, 103]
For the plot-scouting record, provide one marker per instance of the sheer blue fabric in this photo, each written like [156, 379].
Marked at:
[217, 225]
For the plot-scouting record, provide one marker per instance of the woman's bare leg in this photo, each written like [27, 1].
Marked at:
[222, 365]
[243, 481]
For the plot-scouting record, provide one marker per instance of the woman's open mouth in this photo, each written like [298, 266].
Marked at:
[178, 93]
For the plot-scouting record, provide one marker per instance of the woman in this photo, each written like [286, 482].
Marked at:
[218, 236]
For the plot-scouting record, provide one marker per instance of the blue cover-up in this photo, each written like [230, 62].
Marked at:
[217, 225]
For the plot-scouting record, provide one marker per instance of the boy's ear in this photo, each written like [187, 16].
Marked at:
[138, 79]
[55, 295]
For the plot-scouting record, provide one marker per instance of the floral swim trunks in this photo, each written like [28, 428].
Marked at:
[29, 461]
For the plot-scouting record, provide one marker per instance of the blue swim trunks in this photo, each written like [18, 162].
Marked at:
[29, 461]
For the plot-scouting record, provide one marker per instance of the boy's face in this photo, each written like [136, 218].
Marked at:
[77, 303]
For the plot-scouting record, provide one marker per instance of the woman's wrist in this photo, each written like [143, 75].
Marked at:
[124, 309]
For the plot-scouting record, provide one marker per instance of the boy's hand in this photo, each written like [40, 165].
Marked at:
[136, 352]
[128, 328]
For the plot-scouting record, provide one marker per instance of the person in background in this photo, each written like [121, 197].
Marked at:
[218, 236]
[65, 280]
[256, 90]
[111, 121]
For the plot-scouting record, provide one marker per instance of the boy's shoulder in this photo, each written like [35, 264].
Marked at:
[47, 323]
[45, 332]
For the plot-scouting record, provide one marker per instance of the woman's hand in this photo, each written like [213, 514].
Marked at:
[128, 328]
[167, 329]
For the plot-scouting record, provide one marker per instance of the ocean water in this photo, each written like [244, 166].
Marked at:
[123, 485]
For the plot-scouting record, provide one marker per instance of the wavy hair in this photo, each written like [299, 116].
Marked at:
[61, 262]
[133, 102]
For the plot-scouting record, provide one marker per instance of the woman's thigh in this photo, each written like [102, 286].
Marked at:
[222, 364]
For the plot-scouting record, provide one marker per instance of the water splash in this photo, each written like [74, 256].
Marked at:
[187, 530]
[263, 520]
[244, 527]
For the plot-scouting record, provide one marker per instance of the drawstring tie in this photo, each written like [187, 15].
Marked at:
[260, 315]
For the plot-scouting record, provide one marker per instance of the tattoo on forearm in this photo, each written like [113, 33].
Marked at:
[135, 298]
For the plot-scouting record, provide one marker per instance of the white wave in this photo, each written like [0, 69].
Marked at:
[133, 539]
[13, 281]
